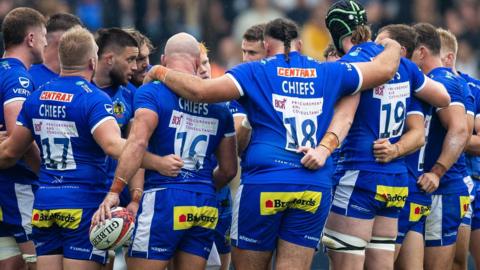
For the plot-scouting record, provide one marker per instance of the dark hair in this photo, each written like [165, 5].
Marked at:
[115, 38]
[403, 34]
[62, 22]
[284, 30]
[16, 24]
[254, 33]
[331, 50]
[140, 38]
[428, 36]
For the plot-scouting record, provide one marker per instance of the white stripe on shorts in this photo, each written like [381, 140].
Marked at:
[345, 189]
[236, 206]
[100, 253]
[25, 199]
[142, 232]
[433, 223]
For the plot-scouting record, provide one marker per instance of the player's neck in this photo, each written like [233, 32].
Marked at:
[21, 54]
[102, 79]
[431, 63]
[52, 63]
[86, 74]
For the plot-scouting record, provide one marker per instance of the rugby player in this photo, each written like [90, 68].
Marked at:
[24, 41]
[285, 193]
[373, 185]
[411, 221]
[178, 215]
[73, 123]
[145, 48]
[448, 54]
[444, 157]
[57, 24]
[224, 200]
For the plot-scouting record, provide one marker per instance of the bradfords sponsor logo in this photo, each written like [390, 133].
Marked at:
[186, 217]
[63, 218]
[464, 203]
[106, 231]
[417, 211]
[56, 96]
[274, 202]
[393, 196]
[297, 72]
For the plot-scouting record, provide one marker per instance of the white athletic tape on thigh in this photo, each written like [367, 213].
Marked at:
[340, 242]
[382, 243]
[29, 258]
[8, 248]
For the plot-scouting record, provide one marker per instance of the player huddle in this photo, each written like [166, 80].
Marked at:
[372, 153]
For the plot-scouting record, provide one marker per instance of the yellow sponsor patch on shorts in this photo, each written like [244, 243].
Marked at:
[393, 196]
[63, 218]
[464, 203]
[417, 211]
[274, 202]
[185, 217]
[1, 214]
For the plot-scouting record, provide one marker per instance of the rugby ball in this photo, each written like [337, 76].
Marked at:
[115, 232]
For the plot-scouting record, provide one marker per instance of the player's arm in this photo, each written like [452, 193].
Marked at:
[32, 155]
[107, 135]
[412, 140]
[473, 146]
[434, 93]
[243, 131]
[343, 117]
[453, 145]
[382, 68]
[15, 146]
[226, 155]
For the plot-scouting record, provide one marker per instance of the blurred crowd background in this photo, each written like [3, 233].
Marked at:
[221, 23]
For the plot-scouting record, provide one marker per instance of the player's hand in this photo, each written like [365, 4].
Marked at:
[170, 165]
[111, 200]
[150, 76]
[428, 182]
[387, 42]
[384, 151]
[132, 207]
[3, 134]
[314, 158]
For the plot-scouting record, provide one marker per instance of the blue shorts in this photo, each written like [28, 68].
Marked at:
[16, 203]
[412, 217]
[172, 219]
[364, 195]
[447, 212]
[222, 231]
[476, 205]
[65, 232]
[265, 212]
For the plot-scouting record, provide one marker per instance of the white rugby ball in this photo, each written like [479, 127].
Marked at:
[115, 232]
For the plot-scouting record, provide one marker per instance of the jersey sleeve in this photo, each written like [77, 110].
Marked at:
[22, 118]
[236, 109]
[469, 100]
[346, 76]
[417, 78]
[146, 98]
[416, 106]
[241, 75]
[16, 87]
[455, 92]
[100, 110]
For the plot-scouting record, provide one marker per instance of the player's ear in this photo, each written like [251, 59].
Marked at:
[163, 60]
[298, 45]
[29, 39]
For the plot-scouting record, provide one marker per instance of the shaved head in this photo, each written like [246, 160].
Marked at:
[182, 43]
[182, 53]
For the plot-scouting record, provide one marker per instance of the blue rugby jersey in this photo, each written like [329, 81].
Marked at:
[15, 85]
[452, 181]
[62, 117]
[289, 104]
[41, 74]
[381, 113]
[191, 130]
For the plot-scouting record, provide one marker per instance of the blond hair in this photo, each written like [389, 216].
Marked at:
[361, 34]
[203, 48]
[77, 47]
[448, 41]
